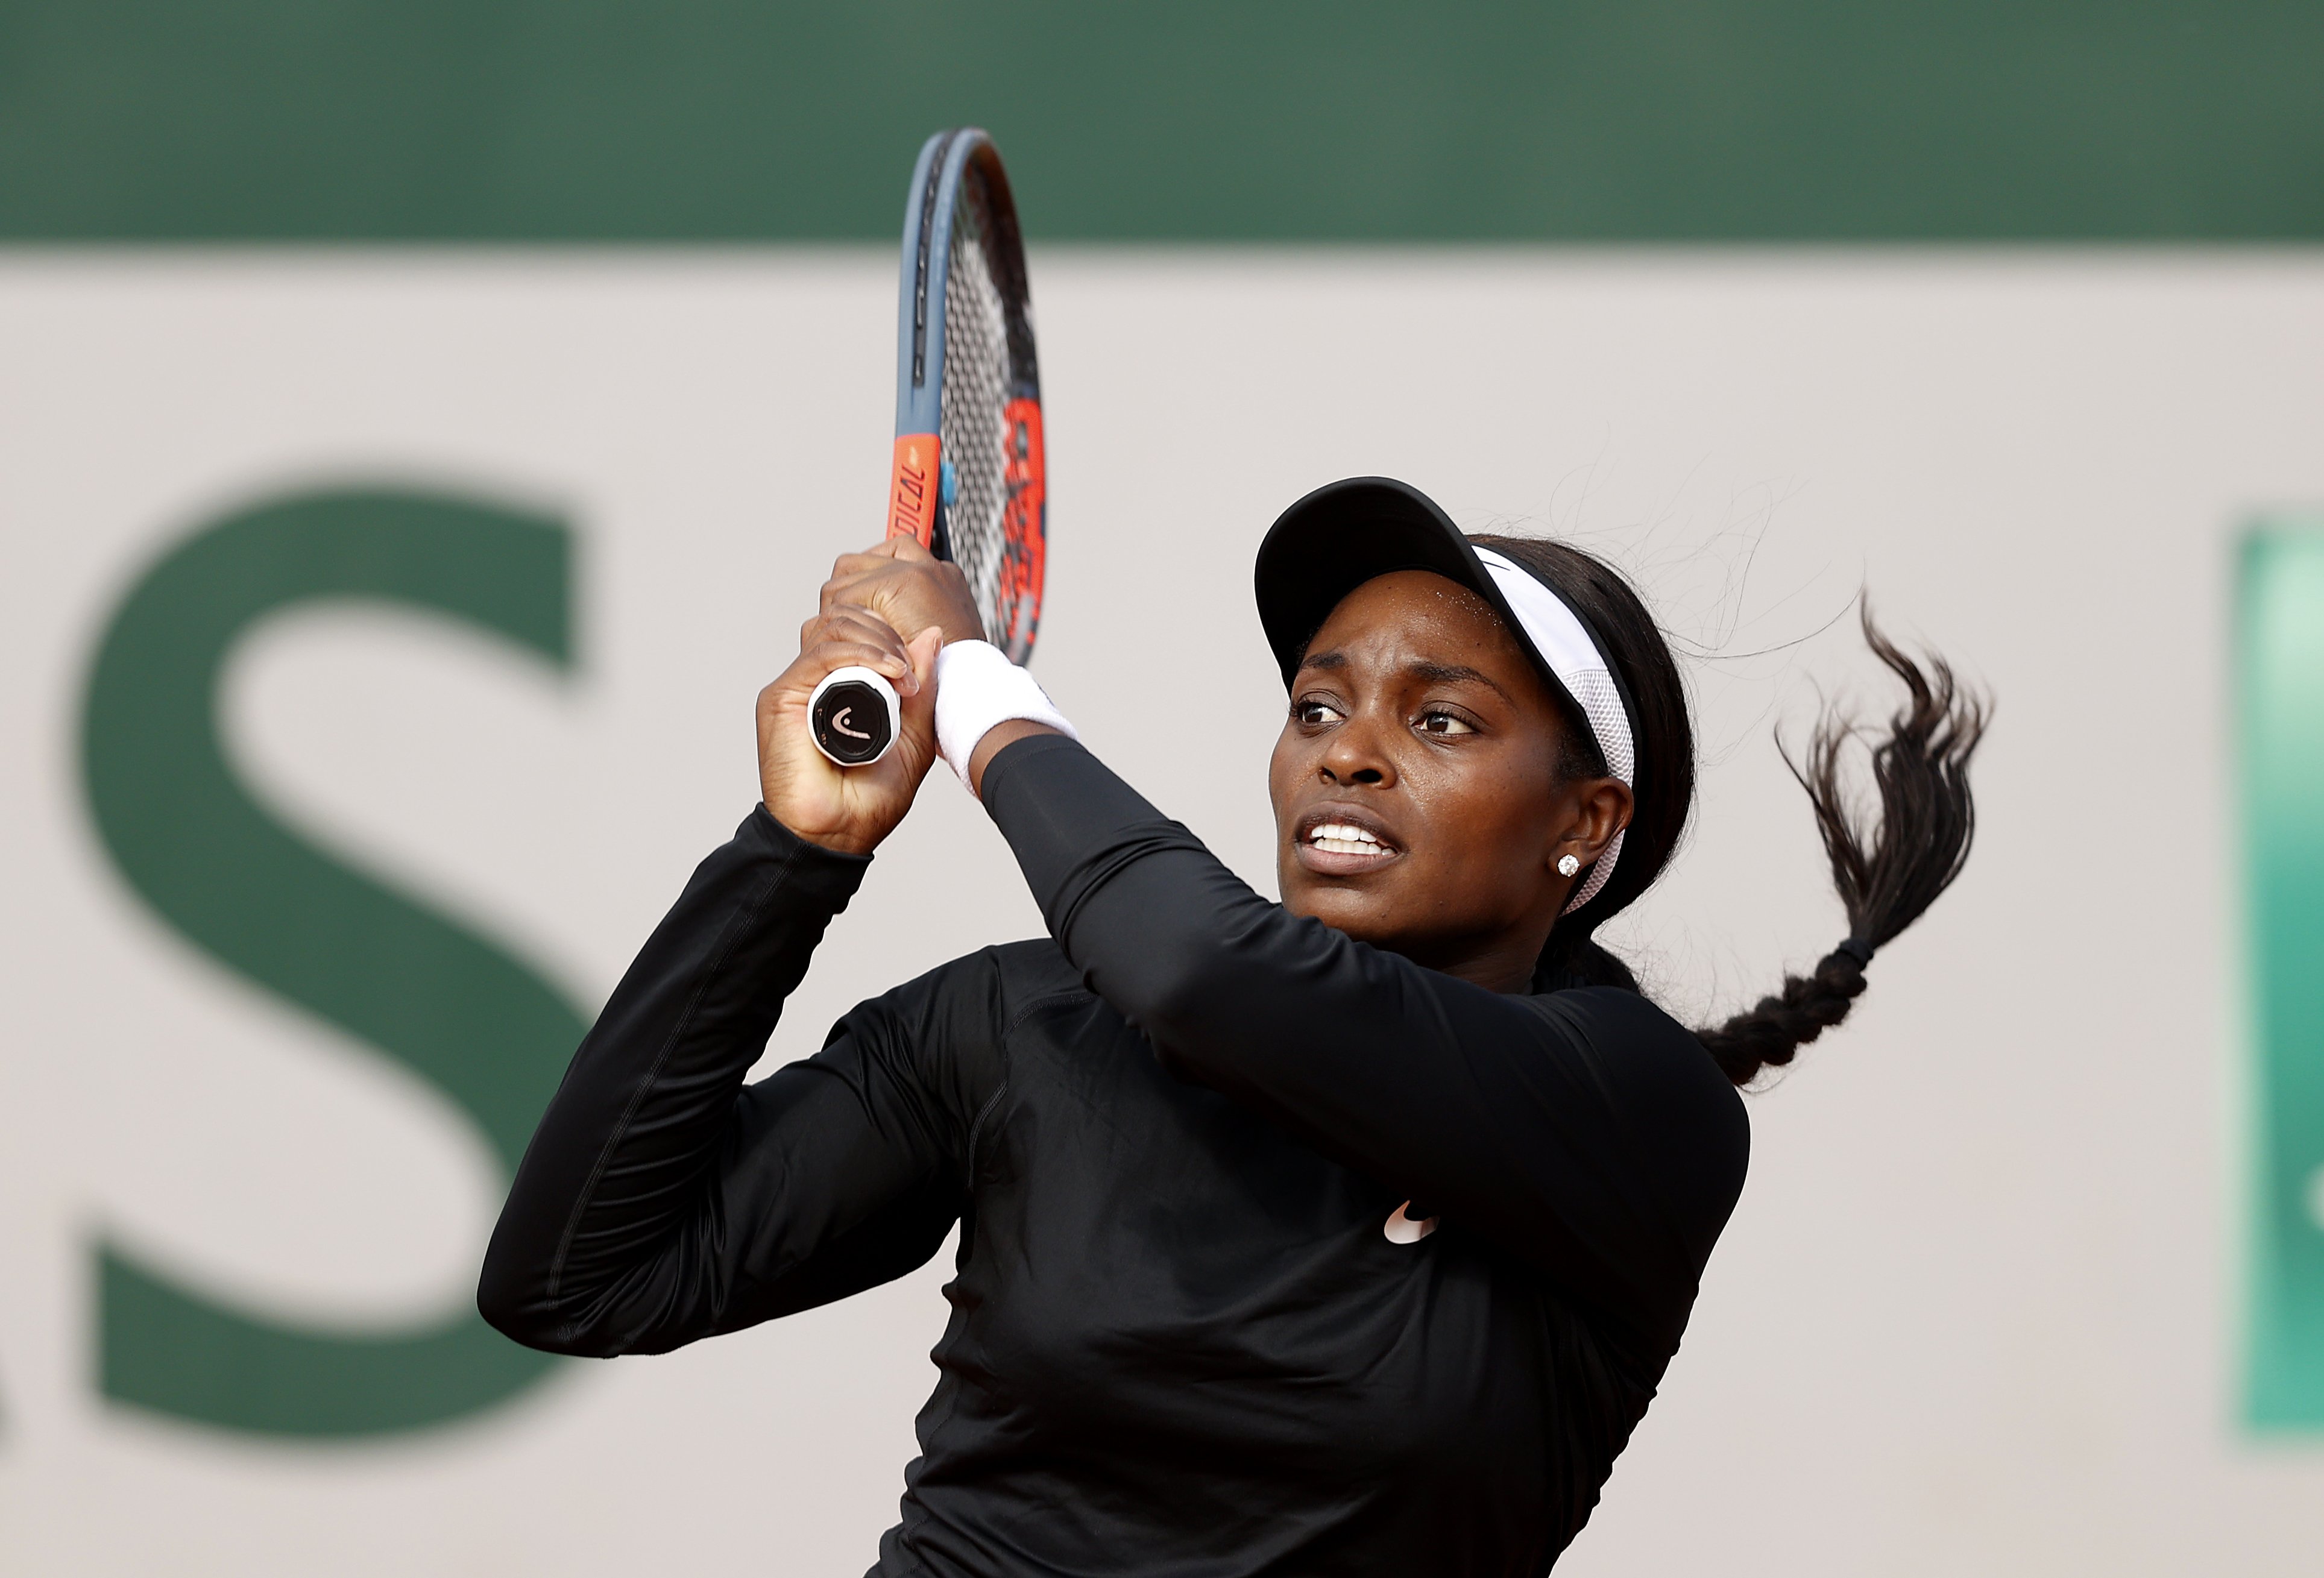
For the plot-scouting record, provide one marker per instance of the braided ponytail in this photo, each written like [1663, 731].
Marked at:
[1886, 875]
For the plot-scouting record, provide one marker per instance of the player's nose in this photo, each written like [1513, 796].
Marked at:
[1355, 754]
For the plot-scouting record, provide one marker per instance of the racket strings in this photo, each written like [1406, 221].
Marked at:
[973, 427]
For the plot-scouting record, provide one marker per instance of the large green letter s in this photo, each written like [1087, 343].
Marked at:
[445, 1003]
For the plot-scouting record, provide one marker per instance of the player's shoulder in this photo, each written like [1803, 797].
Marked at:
[1677, 1109]
[1033, 972]
[1635, 1036]
[1004, 980]
[1613, 1011]
[952, 1024]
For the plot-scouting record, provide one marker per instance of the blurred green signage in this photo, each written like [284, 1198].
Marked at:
[452, 1007]
[692, 120]
[2280, 664]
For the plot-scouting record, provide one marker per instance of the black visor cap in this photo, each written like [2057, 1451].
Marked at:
[1346, 533]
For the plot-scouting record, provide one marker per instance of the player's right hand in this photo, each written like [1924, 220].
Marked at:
[849, 809]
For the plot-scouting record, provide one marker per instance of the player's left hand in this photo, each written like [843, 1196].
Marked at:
[907, 585]
[849, 809]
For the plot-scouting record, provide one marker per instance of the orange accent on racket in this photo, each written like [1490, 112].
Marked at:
[912, 488]
[1024, 535]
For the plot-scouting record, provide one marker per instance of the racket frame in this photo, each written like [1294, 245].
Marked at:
[915, 506]
[916, 477]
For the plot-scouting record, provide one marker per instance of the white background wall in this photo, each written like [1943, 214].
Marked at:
[1976, 1312]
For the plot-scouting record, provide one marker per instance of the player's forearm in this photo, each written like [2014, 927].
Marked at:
[618, 1161]
[1160, 927]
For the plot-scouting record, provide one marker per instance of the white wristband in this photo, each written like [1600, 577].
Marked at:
[978, 688]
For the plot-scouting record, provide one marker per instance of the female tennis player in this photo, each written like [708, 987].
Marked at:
[1350, 1234]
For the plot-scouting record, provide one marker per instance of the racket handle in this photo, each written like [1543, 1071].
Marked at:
[854, 716]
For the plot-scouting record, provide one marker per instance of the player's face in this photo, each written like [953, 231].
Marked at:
[1417, 800]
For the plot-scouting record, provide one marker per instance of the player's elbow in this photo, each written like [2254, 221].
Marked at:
[513, 1305]
[540, 1327]
[515, 1300]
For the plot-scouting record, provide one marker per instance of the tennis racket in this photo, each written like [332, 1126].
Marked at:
[968, 479]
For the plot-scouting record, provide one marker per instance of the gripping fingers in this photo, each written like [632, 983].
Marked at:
[909, 591]
[850, 620]
[910, 549]
[850, 636]
[854, 713]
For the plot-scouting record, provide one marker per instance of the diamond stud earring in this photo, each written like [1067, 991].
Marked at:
[1567, 865]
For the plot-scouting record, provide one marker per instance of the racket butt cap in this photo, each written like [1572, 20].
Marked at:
[854, 716]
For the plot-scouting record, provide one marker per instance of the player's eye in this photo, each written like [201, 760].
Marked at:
[1438, 722]
[1315, 713]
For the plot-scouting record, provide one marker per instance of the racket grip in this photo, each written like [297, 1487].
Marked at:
[854, 716]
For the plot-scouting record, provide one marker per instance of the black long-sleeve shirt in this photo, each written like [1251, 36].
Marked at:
[1180, 1341]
